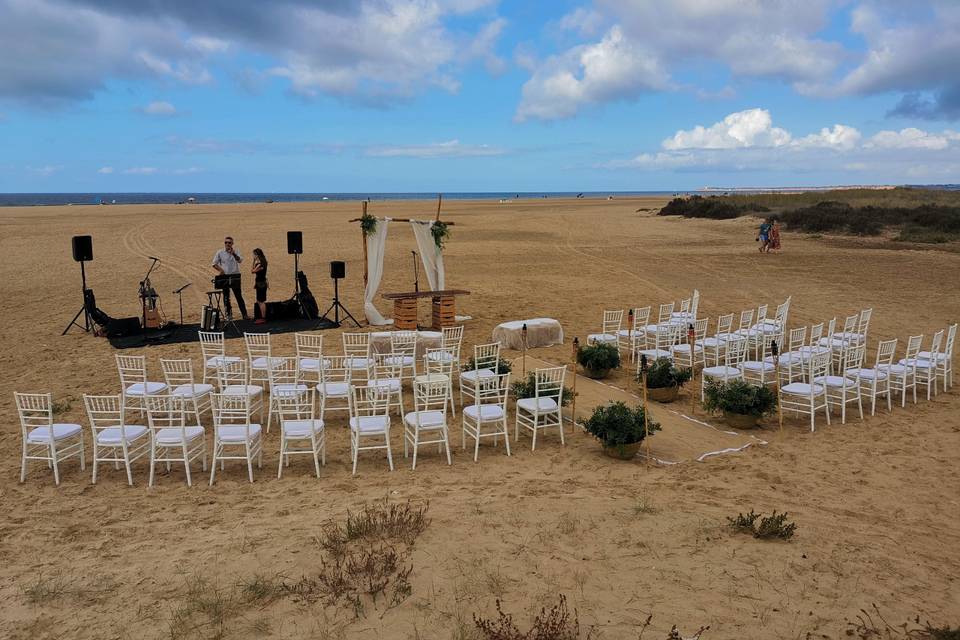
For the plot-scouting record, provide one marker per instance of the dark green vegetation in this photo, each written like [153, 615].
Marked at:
[528, 388]
[918, 215]
[739, 397]
[616, 424]
[663, 374]
[772, 527]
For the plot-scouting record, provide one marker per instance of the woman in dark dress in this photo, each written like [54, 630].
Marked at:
[260, 282]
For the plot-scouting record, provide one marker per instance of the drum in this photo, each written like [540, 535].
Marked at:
[210, 318]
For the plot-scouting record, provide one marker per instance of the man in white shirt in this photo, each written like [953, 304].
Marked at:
[227, 265]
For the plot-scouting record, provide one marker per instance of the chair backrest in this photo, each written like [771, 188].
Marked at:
[695, 303]
[441, 360]
[665, 313]
[724, 324]
[850, 325]
[736, 351]
[700, 329]
[612, 321]
[336, 369]
[935, 345]
[403, 343]
[369, 400]
[685, 306]
[35, 409]
[232, 373]
[816, 332]
[356, 344]
[768, 340]
[298, 406]
[132, 369]
[487, 356]
[667, 335]
[549, 383]
[177, 372]
[951, 338]
[385, 366]
[761, 314]
[282, 370]
[913, 346]
[258, 344]
[820, 362]
[863, 325]
[452, 336]
[746, 319]
[166, 411]
[641, 318]
[493, 390]
[309, 345]
[105, 412]
[231, 410]
[797, 338]
[783, 310]
[211, 344]
[430, 396]
[885, 351]
[853, 357]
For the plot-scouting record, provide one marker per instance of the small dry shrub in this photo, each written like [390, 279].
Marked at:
[555, 624]
[772, 527]
[868, 628]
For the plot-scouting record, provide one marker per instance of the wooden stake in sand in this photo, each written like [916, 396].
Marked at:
[523, 347]
[775, 352]
[364, 235]
[692, 339]
[630, 332]
[646, 416]
[573, 400]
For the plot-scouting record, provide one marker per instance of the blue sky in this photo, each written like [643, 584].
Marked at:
[475, 95]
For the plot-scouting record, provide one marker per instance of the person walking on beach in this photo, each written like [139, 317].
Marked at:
[774, 234]
[259, 272]
[763, 237]
[226, 263]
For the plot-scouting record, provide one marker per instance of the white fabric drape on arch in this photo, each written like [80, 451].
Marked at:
[430, 254]
[376, 248]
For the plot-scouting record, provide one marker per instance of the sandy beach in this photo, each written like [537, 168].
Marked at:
[876, 502]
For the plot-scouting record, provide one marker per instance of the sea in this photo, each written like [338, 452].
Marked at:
[49, 199]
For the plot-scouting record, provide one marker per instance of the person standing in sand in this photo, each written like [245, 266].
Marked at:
[259, 272]
[763, 237]
[774, 234]
[226, 262]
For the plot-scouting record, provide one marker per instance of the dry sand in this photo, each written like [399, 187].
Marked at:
[876, 502]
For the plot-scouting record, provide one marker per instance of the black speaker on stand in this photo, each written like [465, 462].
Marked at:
[82, 253]
[338, 270]
[295, 247]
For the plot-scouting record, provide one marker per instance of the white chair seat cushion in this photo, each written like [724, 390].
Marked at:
[405, 361]
[137, 389]
[263, 362]
[242, 390]
[537, 405]
[390, 383]
[173, 436]
[925, 355]
[834, 381]
[833, 343]
[808, 351]
[301, 428]
[752, 332]
[370, 424]
[801, 389]
[485, 412]
[650, 328]
[114, 436]
[358, 363]
[289, 389]
[898, 370]
[427, 378]
[428, 419]
[866, 374]
[237, 433]
[685, 348]
[334, 389]
[786, 359]
[192, 390]
[721, 372]
[654, 354]
[919, 364]
[313, 364]
[714, 341]
[219, 361]
[601, 337]
[848, 336]
[753, 365]
[61, 431]
[440, 356]
[474, 374]
[626, 333]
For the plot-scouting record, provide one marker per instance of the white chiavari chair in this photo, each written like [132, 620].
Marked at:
[809, 397]
[44, 439]
[234, 429]
[174, 439]
[544, 410]
[113, 439]
[429, 418]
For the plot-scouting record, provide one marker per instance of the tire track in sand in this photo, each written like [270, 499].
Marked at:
[136, 243]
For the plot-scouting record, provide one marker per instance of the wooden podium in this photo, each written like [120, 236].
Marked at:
[444, 307]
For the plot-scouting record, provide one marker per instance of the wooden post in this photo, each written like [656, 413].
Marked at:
[523, 349]
[630, 332]
[646, 416]
[439, 204]
[692, 339]
[775, 352]
[573, 401]
[364, 234]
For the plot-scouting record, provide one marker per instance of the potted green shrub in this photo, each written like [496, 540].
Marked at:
[742, 403]
[503, 366]
[620, 429]
[528, 389]
[597, 359]
[664, 380]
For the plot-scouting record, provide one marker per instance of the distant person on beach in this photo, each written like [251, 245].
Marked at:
[259, 272]
[774, 234]
[226, 263]
[763, 237]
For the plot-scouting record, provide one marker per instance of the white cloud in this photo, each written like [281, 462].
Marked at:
[613, 69]
[140, 171]
[46, 170]
[105, 170]
[750, 128]
[840, 136]
[448, 149]
[160, 108]
[911, 138]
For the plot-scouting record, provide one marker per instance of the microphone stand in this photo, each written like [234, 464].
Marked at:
[144, 286]
[416, 273]
[179, 293]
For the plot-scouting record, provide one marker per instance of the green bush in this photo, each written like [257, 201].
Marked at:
[528, 389]
[739, 397]
[503, 366]
[774, 526]
[616, 424]
[663, 373]
[714, 207]
[924, 223]
[599, 357]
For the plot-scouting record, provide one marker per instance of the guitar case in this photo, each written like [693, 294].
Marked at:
[307, 302]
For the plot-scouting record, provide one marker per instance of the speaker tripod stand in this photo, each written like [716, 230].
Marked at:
[83, 309]
[337, 307]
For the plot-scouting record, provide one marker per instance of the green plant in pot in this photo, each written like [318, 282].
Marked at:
[598, 359]
[503, 366]
[742, 403]
[620, 429]
[528, 389]
[664, 380]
